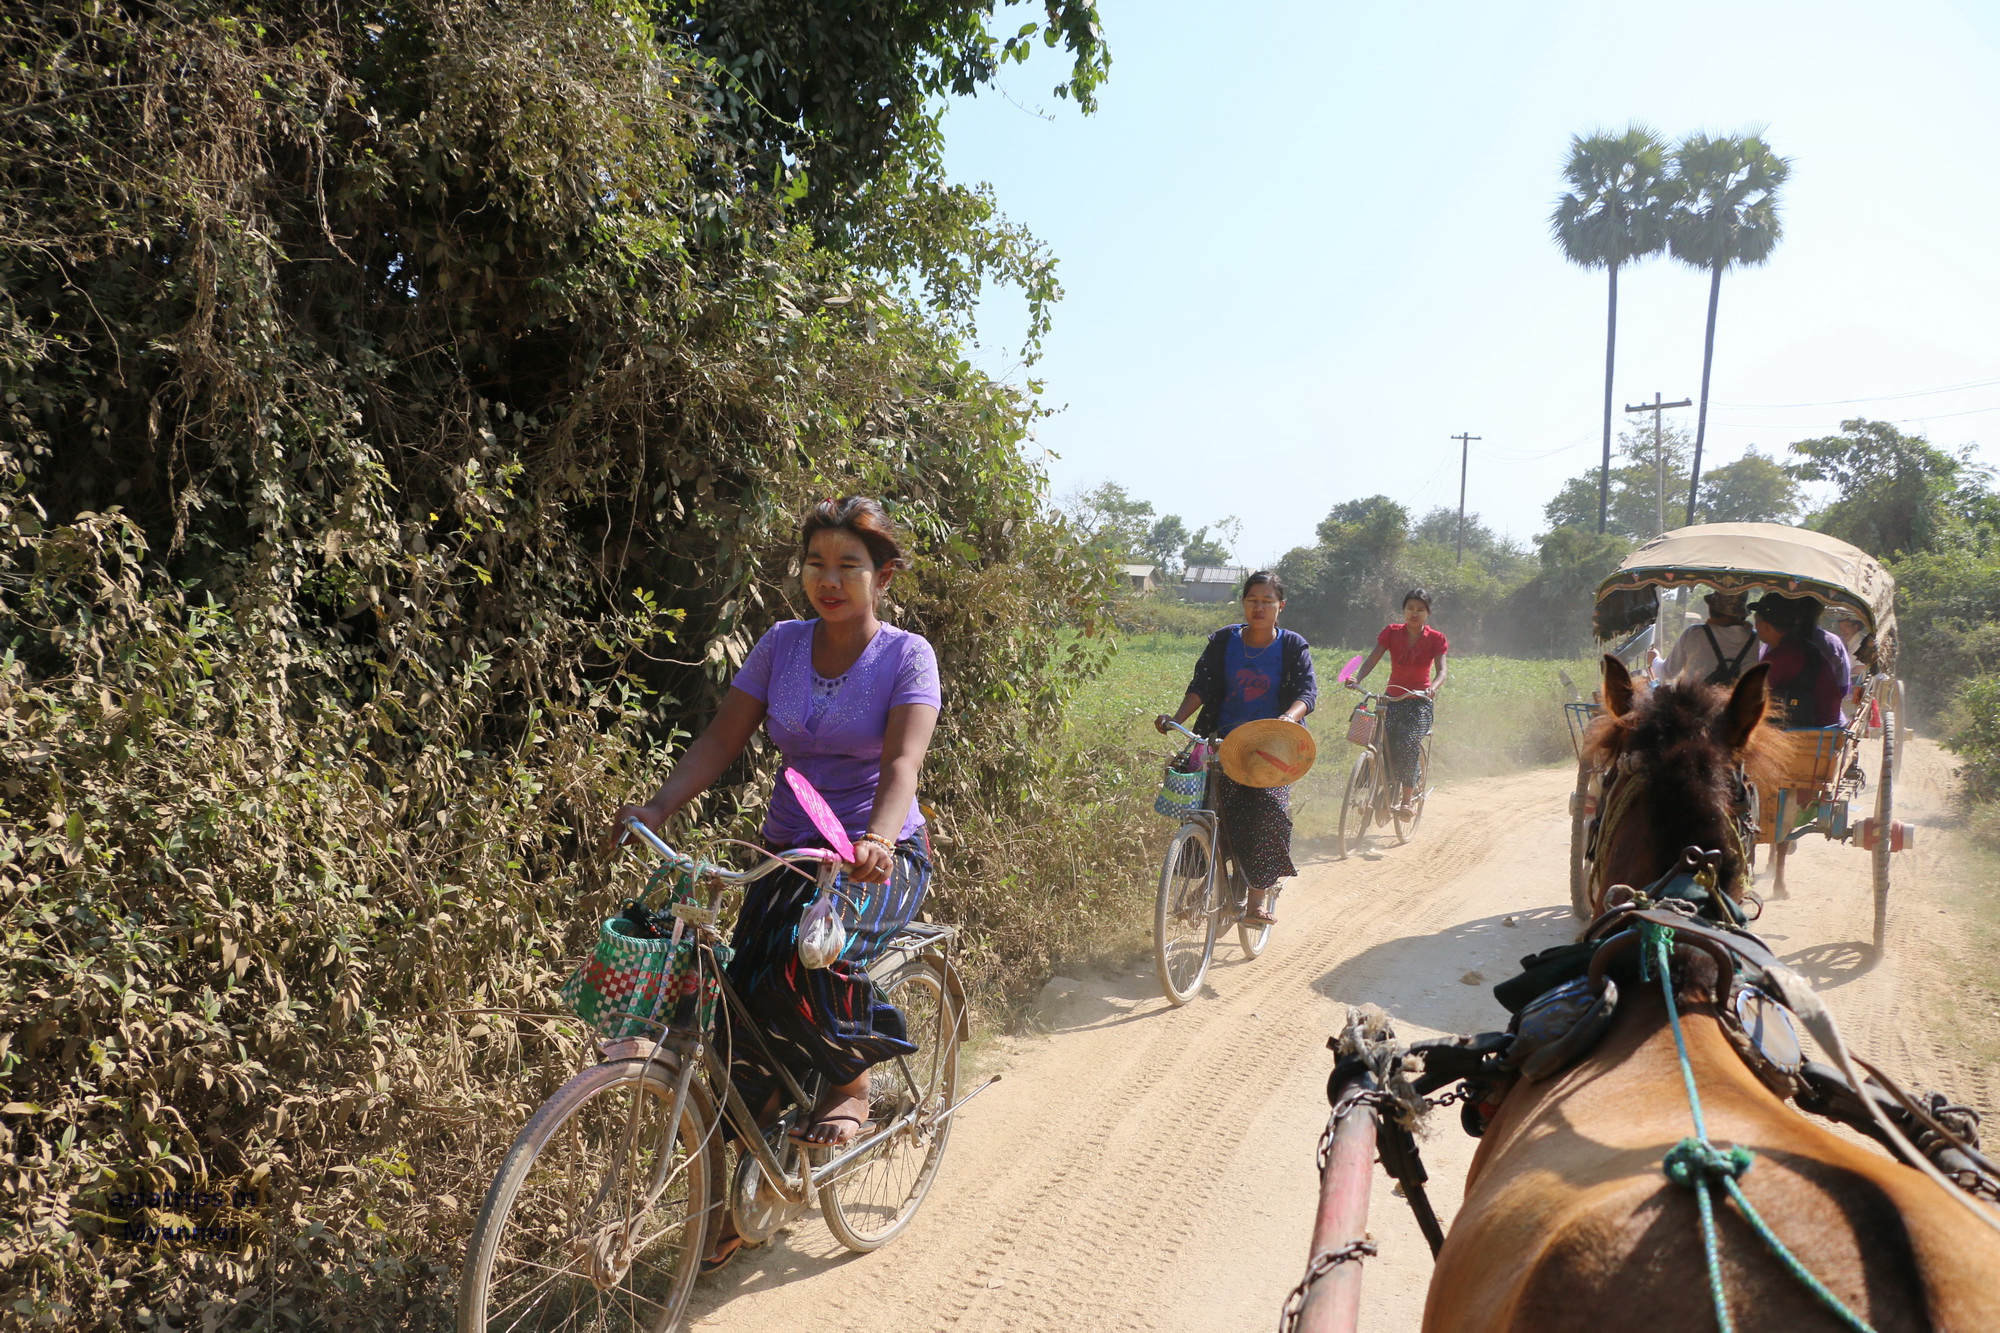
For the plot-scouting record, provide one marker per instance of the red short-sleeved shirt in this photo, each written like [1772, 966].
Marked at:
[1410, 664]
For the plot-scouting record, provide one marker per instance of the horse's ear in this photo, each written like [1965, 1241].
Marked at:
[1746, 707]
[1617, 687]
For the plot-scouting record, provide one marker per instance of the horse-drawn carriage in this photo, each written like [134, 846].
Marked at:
[1651, 1115]
[1822, 774]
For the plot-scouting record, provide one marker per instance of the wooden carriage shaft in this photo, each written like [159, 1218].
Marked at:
[1333, 1305]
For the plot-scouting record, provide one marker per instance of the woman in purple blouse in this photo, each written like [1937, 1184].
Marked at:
[851, 704]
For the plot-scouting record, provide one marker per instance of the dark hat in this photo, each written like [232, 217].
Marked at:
[1726, 603]
[1787, 613]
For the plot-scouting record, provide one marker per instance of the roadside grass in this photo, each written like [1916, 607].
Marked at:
[1971, 894]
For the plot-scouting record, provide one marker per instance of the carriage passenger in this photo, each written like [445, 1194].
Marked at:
[1716, 652]
[1810, 668]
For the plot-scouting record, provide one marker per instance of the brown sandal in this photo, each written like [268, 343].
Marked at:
[861, 1127]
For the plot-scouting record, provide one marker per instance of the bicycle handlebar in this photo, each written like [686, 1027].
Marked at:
[1181, 729]
[709, 870]
[1366, 695]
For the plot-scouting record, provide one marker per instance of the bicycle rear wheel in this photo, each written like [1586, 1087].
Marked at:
[1184, 916]
[877, 1197]
[1357, 806]
[594, 1220]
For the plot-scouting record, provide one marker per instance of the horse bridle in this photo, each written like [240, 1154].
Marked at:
[1621, 789]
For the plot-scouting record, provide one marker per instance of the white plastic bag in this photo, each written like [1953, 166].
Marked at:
[822, 934]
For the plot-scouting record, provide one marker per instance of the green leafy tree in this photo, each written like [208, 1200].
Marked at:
[1613, 213]
[404, 413]
[1640, 484]
[1754, 489]
[1893, 493]
[1341, 587]
[1112, 521]
[1550, 614]
[1164, 542]
[1724, 214]
[837, 91]
[1947, 619]
[1202, 549]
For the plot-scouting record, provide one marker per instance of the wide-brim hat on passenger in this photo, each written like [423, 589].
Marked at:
[1726, 603]
[1270, 752]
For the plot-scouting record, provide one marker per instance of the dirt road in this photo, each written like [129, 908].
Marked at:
[1148, 1168]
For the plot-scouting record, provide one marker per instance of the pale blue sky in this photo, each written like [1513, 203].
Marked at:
[1305, 243]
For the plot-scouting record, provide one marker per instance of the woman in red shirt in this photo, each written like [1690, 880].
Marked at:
[1407, 710]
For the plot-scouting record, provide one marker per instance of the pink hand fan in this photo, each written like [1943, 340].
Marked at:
[1347, 672]
[821, 814]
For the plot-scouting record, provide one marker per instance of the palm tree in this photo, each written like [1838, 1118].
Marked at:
[1613, 214]
[1724, 212]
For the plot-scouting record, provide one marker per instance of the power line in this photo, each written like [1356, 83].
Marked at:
[1878, 398]
[1524, 456]
[1820, 425]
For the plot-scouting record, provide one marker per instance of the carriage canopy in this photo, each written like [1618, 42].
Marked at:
[1749, 557]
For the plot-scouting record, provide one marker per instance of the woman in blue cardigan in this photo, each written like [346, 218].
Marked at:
[1250, 671]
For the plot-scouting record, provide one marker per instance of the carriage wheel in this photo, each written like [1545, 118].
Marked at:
[1901, 729]
[1781, 847]
[1885, 805]
[1579, 831]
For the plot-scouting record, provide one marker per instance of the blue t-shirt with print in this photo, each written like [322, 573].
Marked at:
[1250, 681]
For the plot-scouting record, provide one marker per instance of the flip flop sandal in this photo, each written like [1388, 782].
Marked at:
[862, 1127]
[1262, 918]
[715, 1263]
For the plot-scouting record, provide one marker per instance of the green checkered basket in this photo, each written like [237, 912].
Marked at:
[632, 987]
[1181, 791]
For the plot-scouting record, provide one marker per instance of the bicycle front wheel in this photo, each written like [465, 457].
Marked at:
[1357, 806]
[1184, 916]
[1256, 938]
[877, 1197]
[595, 1220]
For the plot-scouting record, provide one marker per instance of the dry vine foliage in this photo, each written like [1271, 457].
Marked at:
[404, 416]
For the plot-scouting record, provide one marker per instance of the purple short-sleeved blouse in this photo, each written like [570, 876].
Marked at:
[839, 752]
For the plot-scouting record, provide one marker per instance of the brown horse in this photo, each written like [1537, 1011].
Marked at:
[1569, 1223]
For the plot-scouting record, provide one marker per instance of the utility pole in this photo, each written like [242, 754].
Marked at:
[1659, 456]
[1464, 459]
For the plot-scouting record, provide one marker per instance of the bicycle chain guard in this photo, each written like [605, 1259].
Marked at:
[760, 1211]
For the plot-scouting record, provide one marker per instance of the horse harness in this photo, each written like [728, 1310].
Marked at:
[1564, 1000]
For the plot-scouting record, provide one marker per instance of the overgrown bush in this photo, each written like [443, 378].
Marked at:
[1164, 613]
[1947, 620]
[405, 412]
[1975, 736]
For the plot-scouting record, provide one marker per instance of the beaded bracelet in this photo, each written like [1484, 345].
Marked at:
[878, 840]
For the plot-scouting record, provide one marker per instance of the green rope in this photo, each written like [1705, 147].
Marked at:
[1701, 1166]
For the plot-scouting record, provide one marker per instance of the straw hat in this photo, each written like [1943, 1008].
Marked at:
[1270, 752]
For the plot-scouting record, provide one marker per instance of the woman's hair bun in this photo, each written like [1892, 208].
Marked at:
[862, 516]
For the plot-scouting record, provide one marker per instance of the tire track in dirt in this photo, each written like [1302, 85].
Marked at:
[1147, 1168]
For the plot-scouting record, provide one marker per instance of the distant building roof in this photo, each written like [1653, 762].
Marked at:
[1215, 574]
[1140, 571]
